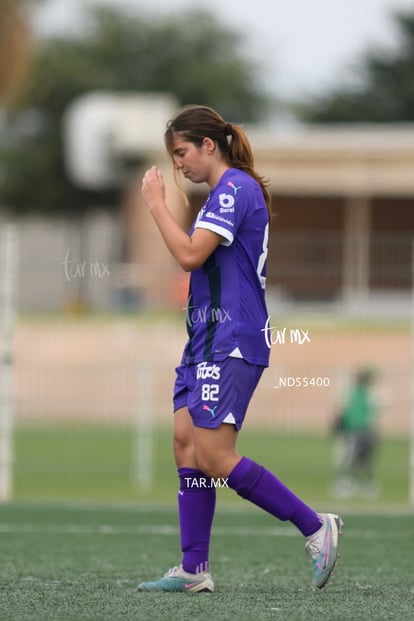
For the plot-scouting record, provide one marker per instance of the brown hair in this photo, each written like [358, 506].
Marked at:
[196, 122]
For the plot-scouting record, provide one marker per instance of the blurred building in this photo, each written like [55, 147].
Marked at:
[343, 201]
[343, 198]
[342, 234]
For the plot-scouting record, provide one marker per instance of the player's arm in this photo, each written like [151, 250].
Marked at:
[185, 216]
[189, 252]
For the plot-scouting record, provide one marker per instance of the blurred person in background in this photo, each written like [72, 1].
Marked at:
[355, 428]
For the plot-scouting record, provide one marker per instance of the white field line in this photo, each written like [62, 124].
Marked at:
[144, 529]
[168, 530]
[237, 507]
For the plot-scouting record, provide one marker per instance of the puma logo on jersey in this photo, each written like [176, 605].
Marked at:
[235, 188]
[211, 410]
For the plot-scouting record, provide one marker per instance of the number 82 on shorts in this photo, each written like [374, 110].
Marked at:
[209, 392]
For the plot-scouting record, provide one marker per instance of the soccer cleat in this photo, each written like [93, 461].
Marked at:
[322, 548]
[177, 580]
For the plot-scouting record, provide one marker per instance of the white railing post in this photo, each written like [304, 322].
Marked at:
[8, 279]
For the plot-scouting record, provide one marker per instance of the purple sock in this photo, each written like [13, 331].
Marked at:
[261, 487]
[196, 505]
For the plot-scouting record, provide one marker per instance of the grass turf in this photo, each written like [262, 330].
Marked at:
[75, 563]
[95, 463]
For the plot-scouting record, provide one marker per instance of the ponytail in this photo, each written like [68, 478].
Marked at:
[240, 155]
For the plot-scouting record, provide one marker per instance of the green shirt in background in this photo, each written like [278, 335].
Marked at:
[359, 411]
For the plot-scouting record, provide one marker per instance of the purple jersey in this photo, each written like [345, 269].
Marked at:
[226, 309]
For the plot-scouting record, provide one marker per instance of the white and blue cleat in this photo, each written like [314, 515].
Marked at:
[177, 580]
[322, 548]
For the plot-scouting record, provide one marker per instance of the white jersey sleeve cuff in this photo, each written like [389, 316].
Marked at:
[215, 228]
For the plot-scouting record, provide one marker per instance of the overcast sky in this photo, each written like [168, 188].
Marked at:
[303, 46]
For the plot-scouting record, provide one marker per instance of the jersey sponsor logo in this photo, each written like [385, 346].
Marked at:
[226, 202]
[213, 216]
[235, 188]
[205, 371]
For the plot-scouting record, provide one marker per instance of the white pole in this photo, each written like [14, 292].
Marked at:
[411, 380]
[144, 433]
[8, 276]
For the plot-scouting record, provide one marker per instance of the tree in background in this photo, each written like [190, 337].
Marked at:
[192, 56]
[14, 38]
[384, 91]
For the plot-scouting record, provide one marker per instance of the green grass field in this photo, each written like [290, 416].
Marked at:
[96, 463]
[80, 535]
[76, 562]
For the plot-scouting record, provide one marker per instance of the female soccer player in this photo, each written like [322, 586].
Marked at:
[225, 249]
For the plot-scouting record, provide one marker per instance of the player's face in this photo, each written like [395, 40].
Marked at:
[194, 162]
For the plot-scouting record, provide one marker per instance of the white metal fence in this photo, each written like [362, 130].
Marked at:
[116, 364]
[76, 365]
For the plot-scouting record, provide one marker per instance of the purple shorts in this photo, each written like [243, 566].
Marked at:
[216, 392]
